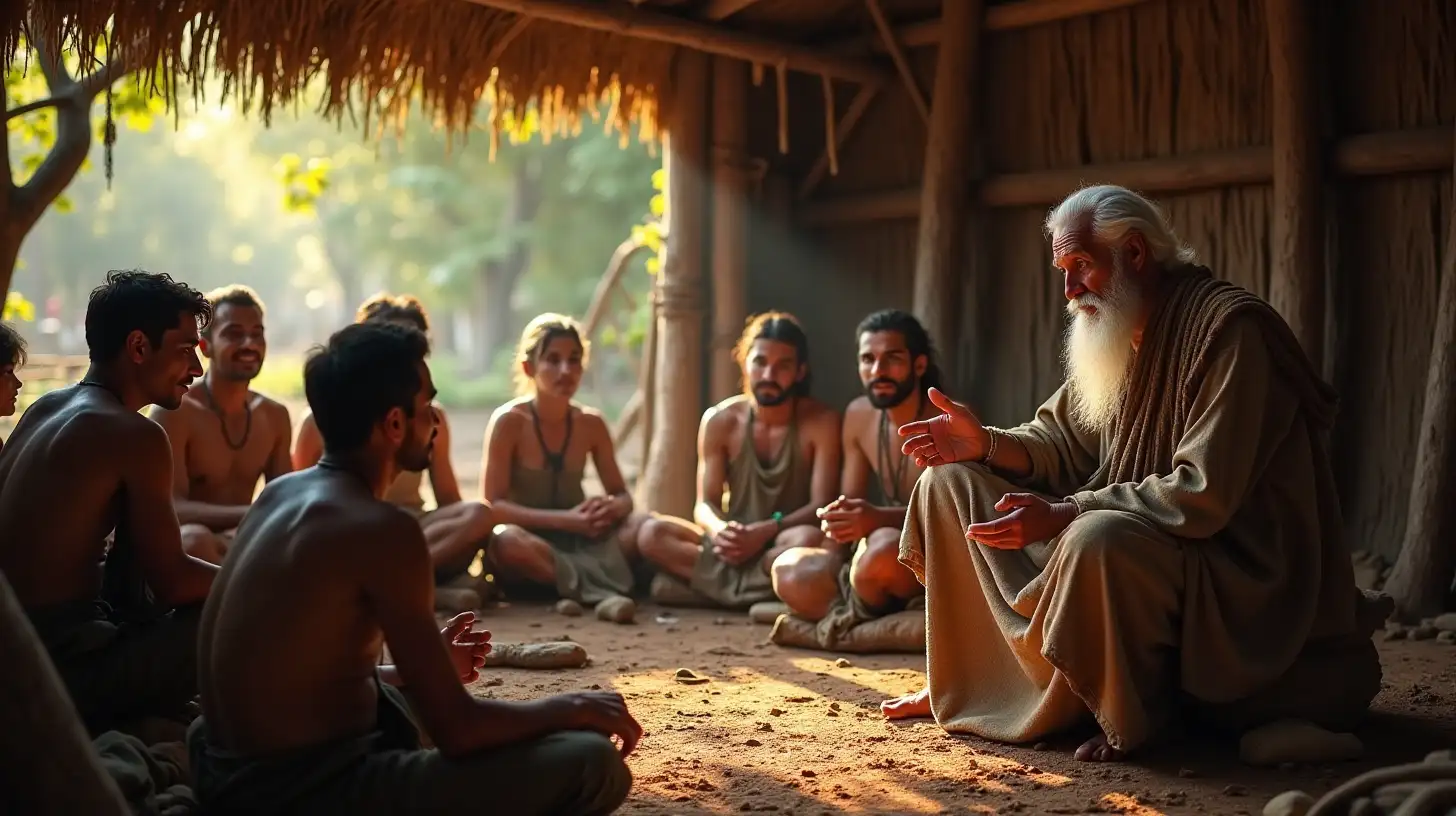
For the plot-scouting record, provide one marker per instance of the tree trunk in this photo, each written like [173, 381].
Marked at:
[50, 764]
[495, 325]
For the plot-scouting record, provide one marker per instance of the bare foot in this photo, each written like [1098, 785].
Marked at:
[908, 707]
[1097, 750]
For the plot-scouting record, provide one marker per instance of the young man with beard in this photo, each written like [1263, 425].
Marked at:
[83, 465]
[299, 715]
[775, 451]
[1164, 535]
[896, 367]
[456, 529]
[224, 435]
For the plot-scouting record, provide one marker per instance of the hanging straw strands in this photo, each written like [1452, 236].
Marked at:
[382, 55]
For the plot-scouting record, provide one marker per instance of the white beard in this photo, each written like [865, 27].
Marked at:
[1097, 352]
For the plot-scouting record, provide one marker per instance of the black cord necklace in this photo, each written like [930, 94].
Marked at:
[555, 460]
[897, 470]
[222, 419]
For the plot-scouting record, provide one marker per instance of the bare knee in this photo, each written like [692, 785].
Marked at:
[876, 572]
[479, 520]
[659, 540]
[514, 547]
[807, 579]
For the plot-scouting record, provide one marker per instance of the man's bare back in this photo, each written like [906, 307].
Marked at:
[63, 476]
[301, 669]
[219, 463]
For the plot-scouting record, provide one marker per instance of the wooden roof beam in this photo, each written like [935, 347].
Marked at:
[716, 10]
[1369, 155]
[1008, 17]
[628, 21]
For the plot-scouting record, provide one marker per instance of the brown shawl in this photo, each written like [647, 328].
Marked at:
[1169, 367]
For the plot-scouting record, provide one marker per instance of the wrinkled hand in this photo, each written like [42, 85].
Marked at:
[1031, 519]
[604, 712]
[954, 436]
[740, 543]
[468, 647]
[847, 520]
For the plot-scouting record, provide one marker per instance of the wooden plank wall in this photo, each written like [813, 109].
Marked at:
[1161, 79]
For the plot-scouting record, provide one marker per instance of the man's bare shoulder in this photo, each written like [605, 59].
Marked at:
[193, 405]
[727, 412]
[859, 409]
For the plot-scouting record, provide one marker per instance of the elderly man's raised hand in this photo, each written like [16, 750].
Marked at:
[954, 436]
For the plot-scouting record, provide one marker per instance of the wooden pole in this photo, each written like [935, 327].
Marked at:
[940, 248]
[1369, 155]
[723, 9]
[730, 220]
[638, 22]
[669, 486]
[1424, 570]
[1297, 268]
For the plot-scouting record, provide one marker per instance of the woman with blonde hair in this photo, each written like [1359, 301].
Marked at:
[456, 530]
[536, 449]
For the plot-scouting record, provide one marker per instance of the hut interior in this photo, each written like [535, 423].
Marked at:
[846, 155]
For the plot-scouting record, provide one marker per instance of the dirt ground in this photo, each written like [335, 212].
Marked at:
[789, 731]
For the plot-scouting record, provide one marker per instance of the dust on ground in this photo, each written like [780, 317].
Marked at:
[799, 732]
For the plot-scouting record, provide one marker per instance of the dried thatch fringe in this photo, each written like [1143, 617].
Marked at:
[381, 54]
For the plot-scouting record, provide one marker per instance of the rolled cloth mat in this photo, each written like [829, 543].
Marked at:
[897, 632]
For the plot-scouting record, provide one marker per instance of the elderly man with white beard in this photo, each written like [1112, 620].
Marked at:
[1162, 538]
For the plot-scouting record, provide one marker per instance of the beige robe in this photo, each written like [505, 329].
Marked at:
[1224, 582]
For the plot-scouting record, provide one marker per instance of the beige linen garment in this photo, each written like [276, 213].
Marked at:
[1218, 577]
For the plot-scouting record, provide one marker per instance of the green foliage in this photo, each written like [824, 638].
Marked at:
[18, 308]
[33, 134]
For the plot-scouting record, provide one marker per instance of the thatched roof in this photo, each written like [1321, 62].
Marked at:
[378, 53]
[374, 57]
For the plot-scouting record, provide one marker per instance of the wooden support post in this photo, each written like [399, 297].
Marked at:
[944, 189]
[668, 485]
[1297, 268]
[645, 24]
[729, 266]
[1423, 572]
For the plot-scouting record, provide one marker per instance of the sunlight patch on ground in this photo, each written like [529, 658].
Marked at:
[889, 682]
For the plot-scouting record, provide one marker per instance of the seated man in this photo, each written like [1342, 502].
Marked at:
[775, 451]
[82, 464]
[1184, 540]
[456, 529]
[896, 366]
[214, 477]
[299, 717]
[12, 357]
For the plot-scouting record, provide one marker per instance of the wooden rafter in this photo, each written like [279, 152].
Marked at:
[628, 21]
[723, 9]
[897, 54]
[1369, 155]
[842, 130]
[1005, 17]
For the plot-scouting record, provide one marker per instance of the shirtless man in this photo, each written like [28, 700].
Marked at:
[83, 464]
[299, 715]
[456, 529]
[225, 436]
[896, 367]
[12, 357]
[775, 451]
